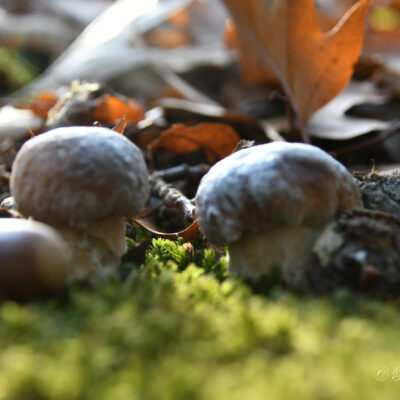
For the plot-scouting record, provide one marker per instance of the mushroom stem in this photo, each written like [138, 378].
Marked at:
[285, 248]
[96, 250]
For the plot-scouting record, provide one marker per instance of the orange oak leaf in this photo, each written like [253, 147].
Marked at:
[312, 66]
[218, 140]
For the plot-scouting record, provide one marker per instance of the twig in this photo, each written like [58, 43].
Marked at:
[182, 171]
[172, 197]
[370, 213]
[171, 78]
[183, 87]
[368, 142]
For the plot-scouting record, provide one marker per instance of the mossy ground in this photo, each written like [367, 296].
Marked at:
[174, 330]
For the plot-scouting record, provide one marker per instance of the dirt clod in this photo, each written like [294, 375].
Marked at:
[381, 192]
[364, 257]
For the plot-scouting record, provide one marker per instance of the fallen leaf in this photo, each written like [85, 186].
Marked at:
[312, 66]
[88, 103]
[192, 113]
[110, 108]
[331, 121]
[217, 140]
[254, 70]
[42, 103]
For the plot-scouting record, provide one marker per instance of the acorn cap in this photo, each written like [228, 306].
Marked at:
[273, 184]
[34, 259]
[77, 175]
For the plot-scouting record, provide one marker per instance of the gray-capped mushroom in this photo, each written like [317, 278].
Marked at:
[269, 203]
[83, 181]
[33, 259]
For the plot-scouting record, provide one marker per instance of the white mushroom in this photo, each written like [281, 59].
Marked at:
[269, 203]
[83, 181]
[33, 259]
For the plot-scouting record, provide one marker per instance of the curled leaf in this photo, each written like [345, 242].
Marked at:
[191, 233]
[312, 66]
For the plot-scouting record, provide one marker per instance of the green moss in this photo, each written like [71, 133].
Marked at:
[162, 251]
[173, 330]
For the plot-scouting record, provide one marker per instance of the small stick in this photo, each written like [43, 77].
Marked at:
[369, 142]
[370, 213]
[172, 197]
[182, 171]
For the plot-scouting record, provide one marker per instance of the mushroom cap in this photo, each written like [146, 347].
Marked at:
[270, 185]
[78, 175]
[34, 259]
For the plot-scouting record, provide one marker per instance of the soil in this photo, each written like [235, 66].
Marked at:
[360, 251]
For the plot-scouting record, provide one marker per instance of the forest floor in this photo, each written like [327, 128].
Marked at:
[174, 322]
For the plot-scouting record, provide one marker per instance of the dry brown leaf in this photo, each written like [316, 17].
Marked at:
[110, 108]
[312, 66]
[331, 121]
[217, 140]
[42, 103]
[253, 68]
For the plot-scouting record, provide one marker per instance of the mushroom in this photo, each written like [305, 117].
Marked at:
[83, 181]
[269, 203]
[34, 259]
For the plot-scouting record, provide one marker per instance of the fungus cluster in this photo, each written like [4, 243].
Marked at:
[82, 181]
[269, 203]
